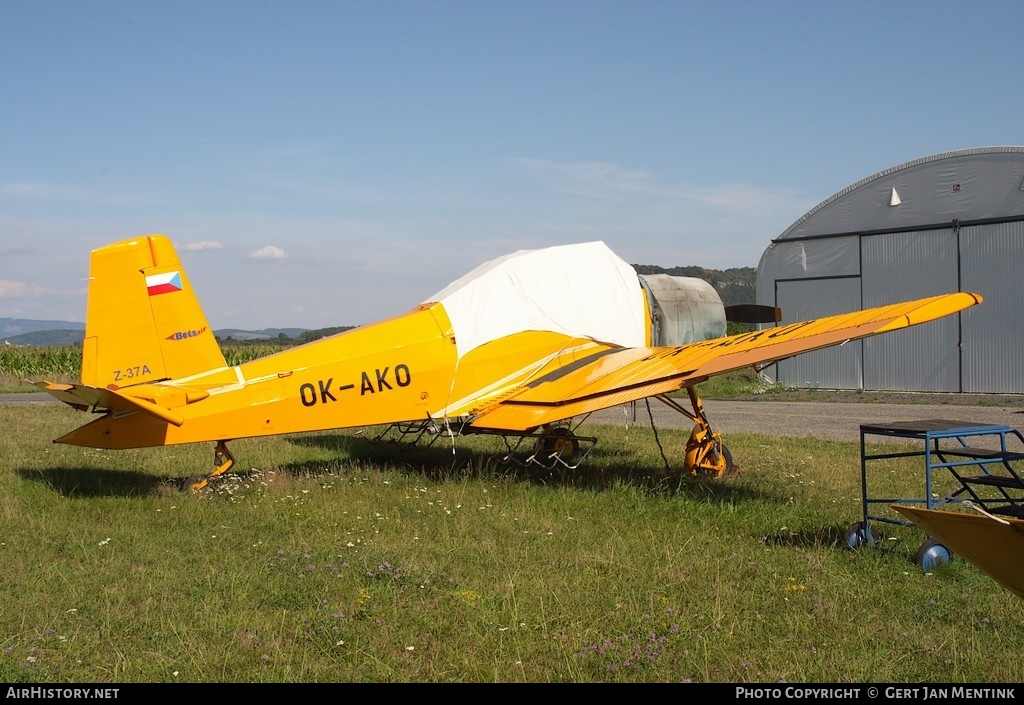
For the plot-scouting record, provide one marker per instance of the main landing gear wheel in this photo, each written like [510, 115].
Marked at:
[932, 554]
[729, 468]
[557, 443]
[707, 457]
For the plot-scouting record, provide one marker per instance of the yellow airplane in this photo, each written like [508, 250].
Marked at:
[519, 347]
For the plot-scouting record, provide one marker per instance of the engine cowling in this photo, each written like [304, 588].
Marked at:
[683, 309]
[688, 310]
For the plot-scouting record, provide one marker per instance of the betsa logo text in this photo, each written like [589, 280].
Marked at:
[183, 334]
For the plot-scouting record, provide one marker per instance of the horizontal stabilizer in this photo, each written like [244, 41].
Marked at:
[153, 399]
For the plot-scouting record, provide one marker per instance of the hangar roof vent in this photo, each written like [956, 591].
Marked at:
[894, 198]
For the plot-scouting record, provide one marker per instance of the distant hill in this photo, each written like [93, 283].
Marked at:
[737, 285]
[18, 326]
[23, 331]
[46, 338]
[264, 334]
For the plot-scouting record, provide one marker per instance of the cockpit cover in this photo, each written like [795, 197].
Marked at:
[583, 291]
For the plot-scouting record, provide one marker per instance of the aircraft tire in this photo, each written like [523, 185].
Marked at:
[559, 441]
[730, 467]
[726, 468]
[188, 485]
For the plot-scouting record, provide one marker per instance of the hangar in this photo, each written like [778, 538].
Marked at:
[949, 222]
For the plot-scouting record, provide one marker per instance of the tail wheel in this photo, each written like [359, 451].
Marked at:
[223, 461]
[558, 442]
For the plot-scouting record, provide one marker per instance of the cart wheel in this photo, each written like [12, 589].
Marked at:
[932, 554]
[858, 536]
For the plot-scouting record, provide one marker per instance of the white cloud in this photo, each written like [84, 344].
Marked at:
[31, 190]
[28, 189]
[747, 198]
[19, 290]
[203, 245]
[269, 252]
[593, 179]
[610, 182]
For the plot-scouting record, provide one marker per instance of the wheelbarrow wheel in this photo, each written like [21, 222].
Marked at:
[932, 554]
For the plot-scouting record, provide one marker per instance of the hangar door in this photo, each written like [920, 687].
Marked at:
[900, 267]
[803, 300]
[992, 266]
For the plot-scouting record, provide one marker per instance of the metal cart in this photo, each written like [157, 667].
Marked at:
[984, 475]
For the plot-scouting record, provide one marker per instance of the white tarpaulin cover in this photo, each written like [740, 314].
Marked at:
[583, 291]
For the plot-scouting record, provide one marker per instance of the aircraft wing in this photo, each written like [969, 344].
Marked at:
[612, 377]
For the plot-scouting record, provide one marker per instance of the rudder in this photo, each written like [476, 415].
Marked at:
[143, 321]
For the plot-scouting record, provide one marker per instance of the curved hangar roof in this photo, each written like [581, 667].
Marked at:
[968, 186]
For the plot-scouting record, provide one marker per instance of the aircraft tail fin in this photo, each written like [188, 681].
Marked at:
[143, 320]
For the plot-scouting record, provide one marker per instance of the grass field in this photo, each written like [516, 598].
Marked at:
[332, 559]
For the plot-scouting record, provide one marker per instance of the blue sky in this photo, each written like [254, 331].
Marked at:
[334, 163]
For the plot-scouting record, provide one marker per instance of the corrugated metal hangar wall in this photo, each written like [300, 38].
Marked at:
[949, 222]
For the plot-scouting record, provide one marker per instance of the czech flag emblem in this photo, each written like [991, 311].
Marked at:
[163, 283]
